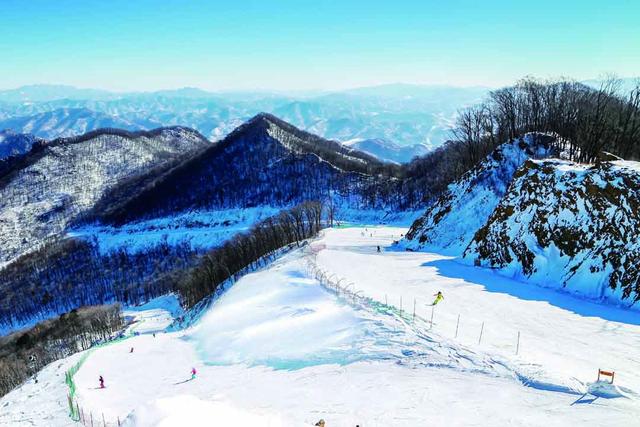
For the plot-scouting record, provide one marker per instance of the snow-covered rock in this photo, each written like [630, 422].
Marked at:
[568, 225]
[450, 223]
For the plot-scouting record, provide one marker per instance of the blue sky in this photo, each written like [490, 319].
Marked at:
[222, 45]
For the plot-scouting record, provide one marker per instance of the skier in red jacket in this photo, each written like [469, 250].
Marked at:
[193, 373]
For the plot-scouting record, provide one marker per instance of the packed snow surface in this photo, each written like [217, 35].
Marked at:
[278, 348]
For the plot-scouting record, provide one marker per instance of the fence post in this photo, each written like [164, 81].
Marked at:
[433, 307]
[457, 325]
[414, 309]
[518, 344]
[481, 330]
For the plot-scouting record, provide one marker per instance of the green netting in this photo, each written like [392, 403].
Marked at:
[70, 373]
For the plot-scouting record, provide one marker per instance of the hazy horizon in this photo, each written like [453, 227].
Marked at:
[302, 91]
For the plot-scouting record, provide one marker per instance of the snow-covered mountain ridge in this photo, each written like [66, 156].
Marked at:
[264, 162]
[568, 225]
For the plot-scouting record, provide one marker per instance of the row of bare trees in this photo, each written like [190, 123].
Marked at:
[250, 250]
[68, 273]
[587, 120]
[24, 353]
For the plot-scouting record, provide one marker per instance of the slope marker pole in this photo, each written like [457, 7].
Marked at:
[400, 305]
[481, 330]
[518, 344]
[414, 309]
[457, 325]
[433, 308]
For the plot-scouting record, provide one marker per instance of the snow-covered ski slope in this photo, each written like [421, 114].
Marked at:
[279, 349]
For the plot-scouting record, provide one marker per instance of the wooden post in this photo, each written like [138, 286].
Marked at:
[414, 309]
[481, 330]
[457, 325]
[518, 344]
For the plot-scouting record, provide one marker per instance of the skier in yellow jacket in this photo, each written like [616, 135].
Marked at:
[439, 297]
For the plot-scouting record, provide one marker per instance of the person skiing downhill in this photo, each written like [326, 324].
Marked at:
[439, 297]
[101, 381]
[193, 373]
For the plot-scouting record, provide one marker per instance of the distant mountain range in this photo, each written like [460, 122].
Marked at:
[15, 144]
[388, 151]
[404, 115]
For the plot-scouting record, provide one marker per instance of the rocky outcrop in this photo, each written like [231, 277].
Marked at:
[450, 223]
[568, 225]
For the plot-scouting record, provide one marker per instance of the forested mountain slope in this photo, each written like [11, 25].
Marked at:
[569, 225]
[58, 181]
[265, 162]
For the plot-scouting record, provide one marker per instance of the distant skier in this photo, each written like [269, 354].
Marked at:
[101, 381]
[378, 248]
[193, 373]
[439, 297]
[131, 351]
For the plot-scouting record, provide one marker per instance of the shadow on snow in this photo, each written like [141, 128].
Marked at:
[493, 282]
